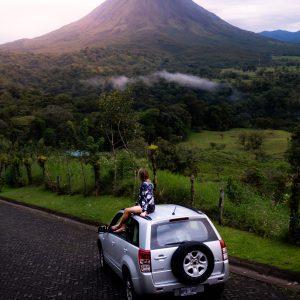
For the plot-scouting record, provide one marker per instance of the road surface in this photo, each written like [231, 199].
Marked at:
[46, 257]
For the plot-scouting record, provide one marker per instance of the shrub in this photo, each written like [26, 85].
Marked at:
[251, 141]
[234, 191]
[254, 177]
[166, 155]
[277, 185]
[220, 146]
[212, 145]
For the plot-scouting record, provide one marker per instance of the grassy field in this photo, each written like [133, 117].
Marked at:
[232, 159]
[240, 244]
[255, 212]
[291, 59]
[276, 142]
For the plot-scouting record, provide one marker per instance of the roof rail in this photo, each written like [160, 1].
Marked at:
[192, 208]
[147, 218]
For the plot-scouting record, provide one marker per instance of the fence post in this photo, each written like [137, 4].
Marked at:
[294, 229]
[221, 205]
[192, 179]
[58, 184]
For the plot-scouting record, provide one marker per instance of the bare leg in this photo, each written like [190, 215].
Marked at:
[127, 213]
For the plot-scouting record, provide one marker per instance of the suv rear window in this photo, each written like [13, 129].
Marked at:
[170, 234]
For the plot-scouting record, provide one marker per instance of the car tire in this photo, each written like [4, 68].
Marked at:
[102, 261]
[192, 263]
[129, 288]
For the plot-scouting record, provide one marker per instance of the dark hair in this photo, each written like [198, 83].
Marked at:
[143, 174]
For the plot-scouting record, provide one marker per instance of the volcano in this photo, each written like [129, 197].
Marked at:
[174, 27]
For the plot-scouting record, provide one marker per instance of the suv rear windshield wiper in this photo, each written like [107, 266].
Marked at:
[175, 243]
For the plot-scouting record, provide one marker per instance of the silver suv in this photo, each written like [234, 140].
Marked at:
[176, 250]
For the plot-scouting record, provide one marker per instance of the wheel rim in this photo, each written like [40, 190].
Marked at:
[195, 264]
[129, 292]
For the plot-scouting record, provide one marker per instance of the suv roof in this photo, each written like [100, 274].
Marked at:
[165, 212]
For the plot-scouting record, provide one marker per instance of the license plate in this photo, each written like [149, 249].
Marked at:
[190, 291]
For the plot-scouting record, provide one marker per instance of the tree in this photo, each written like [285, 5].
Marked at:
[188, 163]
[93, 148]
[15, 162]
[90, 153]
[149, 120]
[152, 153]
[251, 141]
[27, 161]
[243, 139]
[41, 157]
[293, 153]
[118, 122]
[81, 142]
[255, 141]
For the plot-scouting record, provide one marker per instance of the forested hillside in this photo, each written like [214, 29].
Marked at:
[38, 97]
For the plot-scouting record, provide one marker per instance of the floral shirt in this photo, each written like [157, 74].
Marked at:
[146, 198]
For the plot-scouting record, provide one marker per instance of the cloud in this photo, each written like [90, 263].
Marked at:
[188, 80]
[31, 18]
[120, 82]
[257, 15]
[185, 80]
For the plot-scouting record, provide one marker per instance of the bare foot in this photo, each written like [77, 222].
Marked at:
[116, 227]
[121, 229]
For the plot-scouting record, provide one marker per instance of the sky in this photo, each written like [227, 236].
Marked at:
[31, 18]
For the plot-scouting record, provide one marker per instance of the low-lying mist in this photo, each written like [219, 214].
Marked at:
[185, 80]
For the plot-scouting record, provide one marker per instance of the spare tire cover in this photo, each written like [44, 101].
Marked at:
[192, 262]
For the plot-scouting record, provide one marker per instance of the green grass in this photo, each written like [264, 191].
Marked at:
[86, 208]
[294, 59]
[240, 244]
[276, 142]
[256, 213]
[233, 160]
[249, 246]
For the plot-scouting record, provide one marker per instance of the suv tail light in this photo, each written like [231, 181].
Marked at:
[145, 260]
[224, 250]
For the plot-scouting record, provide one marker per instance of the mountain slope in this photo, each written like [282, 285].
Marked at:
[283, 35]
[166, 23]
[147, 35]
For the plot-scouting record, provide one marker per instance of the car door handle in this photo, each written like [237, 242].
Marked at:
[125, 250]
[113, 243]
[161, 257]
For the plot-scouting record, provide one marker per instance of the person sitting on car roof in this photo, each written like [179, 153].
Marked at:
[145, 204]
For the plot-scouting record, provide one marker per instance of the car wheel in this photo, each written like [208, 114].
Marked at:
[192, 262]
[129, 289]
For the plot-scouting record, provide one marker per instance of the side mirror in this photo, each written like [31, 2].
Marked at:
[102, 229]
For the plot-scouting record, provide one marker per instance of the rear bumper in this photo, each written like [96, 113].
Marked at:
[145, 285]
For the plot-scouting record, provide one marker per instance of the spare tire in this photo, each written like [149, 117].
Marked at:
[192, 262]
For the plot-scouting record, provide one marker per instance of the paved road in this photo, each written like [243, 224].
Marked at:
[45, 257]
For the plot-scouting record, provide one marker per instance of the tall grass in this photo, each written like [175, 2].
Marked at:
[254, 212]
